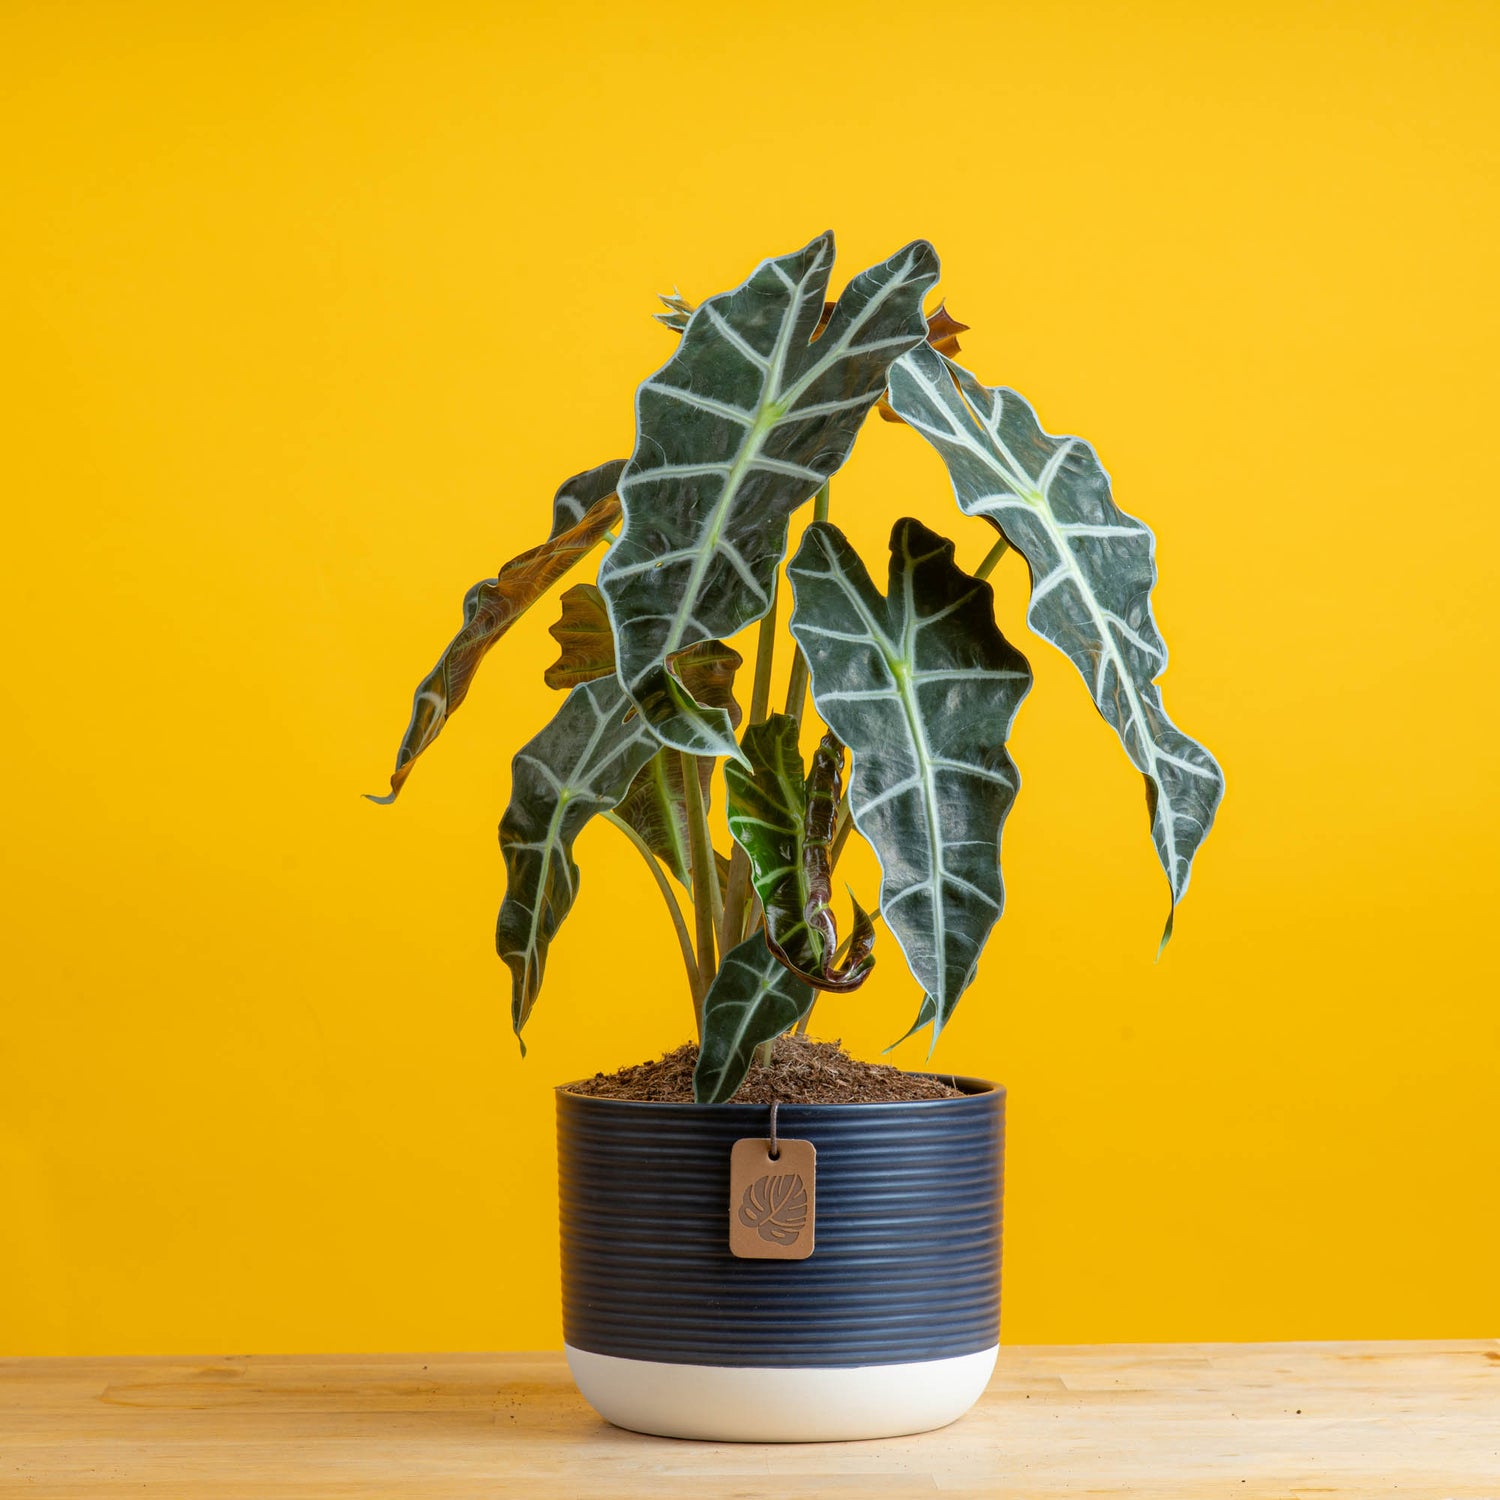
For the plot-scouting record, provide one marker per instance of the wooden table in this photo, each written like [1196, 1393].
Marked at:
[1167, 1422]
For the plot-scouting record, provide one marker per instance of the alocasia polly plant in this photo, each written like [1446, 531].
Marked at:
[916, 686]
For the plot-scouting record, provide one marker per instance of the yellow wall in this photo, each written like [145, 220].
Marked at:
[308, 308]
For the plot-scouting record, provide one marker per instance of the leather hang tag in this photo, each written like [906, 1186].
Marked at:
[772, 1199]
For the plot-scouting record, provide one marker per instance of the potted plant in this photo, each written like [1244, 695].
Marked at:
[739, 1264]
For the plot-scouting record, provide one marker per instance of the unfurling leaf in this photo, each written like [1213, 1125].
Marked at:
[776, 1206]
[753, 999]
[577, 496]
[741, 426]
[581, 764]
[784, 821]
[491, 607]
[824, 788]
[1092, 572]
[923, 688]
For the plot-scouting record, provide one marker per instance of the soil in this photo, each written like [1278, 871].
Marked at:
[801, 1072]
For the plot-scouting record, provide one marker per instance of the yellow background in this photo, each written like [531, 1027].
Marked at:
[308, 308]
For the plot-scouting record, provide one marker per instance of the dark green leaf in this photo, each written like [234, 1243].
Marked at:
[923, 688]
[753, 999]
[1092, 571]
[739, 428]
[581, 764]
[656, 808]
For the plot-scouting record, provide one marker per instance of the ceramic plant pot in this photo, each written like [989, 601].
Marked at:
[890, 1326]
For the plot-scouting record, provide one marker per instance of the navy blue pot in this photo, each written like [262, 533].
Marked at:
[890, 1326]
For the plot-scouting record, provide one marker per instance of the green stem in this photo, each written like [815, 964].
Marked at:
[732, 921]
[732, 929]
[707, 909]
[764, 1052]
[695, 981]
[765, 651]
[991, 558]
[796, 688]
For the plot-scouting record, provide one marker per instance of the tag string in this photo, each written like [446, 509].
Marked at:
[775, 1152]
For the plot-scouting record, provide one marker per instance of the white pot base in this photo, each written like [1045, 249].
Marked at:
[758, 1405]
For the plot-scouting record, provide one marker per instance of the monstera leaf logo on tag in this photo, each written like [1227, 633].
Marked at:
[776, 1205]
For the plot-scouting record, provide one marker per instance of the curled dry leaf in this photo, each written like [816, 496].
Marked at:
[490, 608]
[586, 641]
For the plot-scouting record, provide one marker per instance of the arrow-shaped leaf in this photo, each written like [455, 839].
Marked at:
[1092, 571]
[581, 764]
[740, 427]
[577, 496]
[753, 999]
[491, 607]
[923, 688]
[784, 821]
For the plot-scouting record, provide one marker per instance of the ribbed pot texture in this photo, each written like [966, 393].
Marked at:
[907, 1258]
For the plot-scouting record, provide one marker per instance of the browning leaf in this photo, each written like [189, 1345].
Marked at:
[490, 608]
[576, 496]
[583, 633]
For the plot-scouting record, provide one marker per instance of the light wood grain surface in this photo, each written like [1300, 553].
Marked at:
[1170, 1422]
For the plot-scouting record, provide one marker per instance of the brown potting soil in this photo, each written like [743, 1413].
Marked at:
[801, 1072]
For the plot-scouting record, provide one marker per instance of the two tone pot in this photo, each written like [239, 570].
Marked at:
[889, 1326]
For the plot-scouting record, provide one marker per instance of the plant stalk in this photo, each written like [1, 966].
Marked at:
[707, 909]
[732, 922]
[991, 557]
[765, 651]
[690, 963]
[796, 688]
[732, 929]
